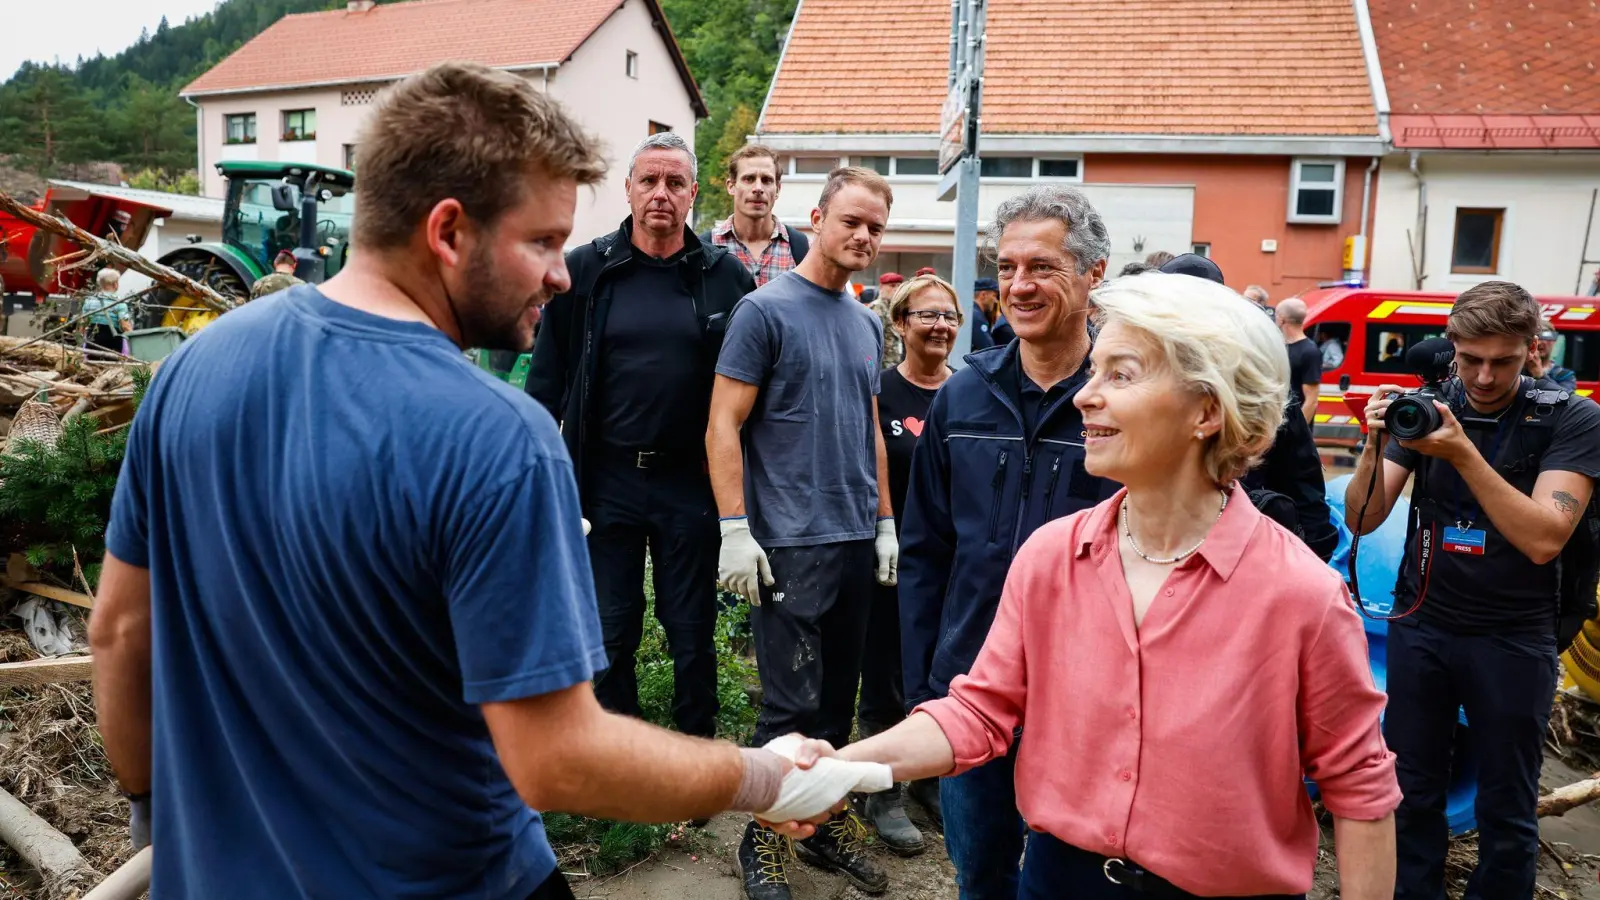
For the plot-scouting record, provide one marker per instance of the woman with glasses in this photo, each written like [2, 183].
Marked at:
[924, 313]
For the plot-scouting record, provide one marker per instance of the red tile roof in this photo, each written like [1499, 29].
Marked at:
[1226, 67]
[1562, 132]
[1489, 57]
[395, 40]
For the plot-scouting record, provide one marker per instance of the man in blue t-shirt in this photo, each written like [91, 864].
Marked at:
[346, 626]
[800, 474]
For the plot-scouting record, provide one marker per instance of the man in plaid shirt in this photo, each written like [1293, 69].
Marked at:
[767, 247]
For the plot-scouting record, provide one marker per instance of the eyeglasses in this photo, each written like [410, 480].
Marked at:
[930, 316]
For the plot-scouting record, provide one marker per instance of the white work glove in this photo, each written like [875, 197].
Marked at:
[585, 527]
[742, 561]
[887, 548]
[808, 793]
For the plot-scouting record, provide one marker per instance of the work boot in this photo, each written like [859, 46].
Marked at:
[840, 846]
[762, 860]
[887, 813]
[926, 792]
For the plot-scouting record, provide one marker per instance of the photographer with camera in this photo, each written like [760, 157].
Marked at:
[1505, 467]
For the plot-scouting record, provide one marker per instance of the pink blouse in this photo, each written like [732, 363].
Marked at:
[1180, 744]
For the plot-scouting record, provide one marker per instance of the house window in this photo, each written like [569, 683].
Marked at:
[1006, 167]
[350, 157]
[813, 165]
[1316, 191]
[1065, 169]
[658, 128]
[879, 164]
[300, 125]
[631, 66]
[1202, 250]
[916, 165]
[1476, 249]
[241, 128]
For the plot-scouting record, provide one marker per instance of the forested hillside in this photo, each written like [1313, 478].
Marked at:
[125, 108]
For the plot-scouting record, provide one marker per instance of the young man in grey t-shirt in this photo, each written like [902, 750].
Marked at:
[804, 500]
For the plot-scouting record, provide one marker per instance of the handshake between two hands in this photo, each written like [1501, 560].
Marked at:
[816, 784]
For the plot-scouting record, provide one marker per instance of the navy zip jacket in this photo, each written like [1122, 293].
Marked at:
[978, 489]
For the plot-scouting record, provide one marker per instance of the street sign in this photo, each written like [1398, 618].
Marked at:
[953, 125]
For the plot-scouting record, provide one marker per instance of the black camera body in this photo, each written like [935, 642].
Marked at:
[1412, 415]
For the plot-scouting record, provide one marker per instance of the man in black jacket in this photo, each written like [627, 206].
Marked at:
[624, 361]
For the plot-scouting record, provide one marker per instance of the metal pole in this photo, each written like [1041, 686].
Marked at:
[1583, 252]
[969, 25]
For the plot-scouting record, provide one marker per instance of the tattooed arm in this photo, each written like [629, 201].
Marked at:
[1538, 526]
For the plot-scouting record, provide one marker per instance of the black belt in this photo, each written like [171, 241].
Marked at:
[653, 459]
[1136, 878]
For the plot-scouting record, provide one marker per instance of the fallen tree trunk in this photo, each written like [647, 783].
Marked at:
[1562, 799]
[115, 252]
[41, 354]
[46, 849]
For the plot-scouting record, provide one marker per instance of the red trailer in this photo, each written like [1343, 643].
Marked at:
[24, 249]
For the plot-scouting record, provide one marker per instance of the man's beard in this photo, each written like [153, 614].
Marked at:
[490, 313]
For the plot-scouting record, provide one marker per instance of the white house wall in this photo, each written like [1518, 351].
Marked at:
[1546, 199]
[337, 125]
[1163, 215]
[595, 87]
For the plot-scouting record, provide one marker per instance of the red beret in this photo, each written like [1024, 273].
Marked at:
[927, 270]
[891, 278]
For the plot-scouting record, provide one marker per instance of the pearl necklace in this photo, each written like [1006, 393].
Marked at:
[1128, 532]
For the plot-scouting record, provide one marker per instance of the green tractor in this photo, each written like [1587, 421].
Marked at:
[270, 207]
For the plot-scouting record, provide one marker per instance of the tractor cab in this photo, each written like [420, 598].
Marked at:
[272, 207]
[269, 207]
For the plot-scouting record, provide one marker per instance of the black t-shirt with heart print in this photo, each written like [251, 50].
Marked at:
[902, 407]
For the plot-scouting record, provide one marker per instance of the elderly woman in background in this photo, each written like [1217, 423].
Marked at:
[1179, 661]
[925, 314]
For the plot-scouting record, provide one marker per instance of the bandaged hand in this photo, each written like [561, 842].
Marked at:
[807, 794]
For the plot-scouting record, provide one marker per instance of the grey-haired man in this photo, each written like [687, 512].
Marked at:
[624, 361]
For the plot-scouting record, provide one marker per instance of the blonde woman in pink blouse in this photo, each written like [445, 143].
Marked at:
[1179, 661]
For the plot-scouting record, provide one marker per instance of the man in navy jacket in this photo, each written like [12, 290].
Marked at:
[1001, 454]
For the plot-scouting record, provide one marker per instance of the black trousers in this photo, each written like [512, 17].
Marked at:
[809, 633]
[1505, 682]
[883, 689]
[671, 512]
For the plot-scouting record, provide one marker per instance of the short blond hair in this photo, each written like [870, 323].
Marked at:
[1218, 344]
[867, 178]
[907, 290]
[462, 130]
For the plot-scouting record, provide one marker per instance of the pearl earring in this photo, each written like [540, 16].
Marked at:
[1199, 435]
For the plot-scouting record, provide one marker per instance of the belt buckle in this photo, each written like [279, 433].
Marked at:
[643, 458]
[1106, 870]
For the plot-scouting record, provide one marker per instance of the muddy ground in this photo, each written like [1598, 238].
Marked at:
[709, 871]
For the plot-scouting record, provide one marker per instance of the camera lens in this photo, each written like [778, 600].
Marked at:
[1409, 418]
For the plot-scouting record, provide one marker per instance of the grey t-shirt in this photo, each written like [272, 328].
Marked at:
[810, 452]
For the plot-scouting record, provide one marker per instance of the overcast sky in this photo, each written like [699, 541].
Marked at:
[48, 30]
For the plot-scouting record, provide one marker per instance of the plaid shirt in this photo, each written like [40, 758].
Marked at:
[777, 259]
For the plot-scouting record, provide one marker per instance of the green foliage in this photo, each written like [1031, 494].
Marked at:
[606, 847]
[732, 49]
[736, 719]
[58, 499]
[125, 108]
[187, 182]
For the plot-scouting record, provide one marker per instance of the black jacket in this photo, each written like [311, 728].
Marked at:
[564, 356]
[1293, 468]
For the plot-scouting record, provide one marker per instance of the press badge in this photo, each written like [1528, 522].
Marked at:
[1463, 540]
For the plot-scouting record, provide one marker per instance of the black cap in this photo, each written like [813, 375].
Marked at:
[1193, 264]
[986, 284]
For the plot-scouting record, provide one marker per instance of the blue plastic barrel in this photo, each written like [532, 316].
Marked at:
[1377, 567]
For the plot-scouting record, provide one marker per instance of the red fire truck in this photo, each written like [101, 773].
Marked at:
[1364, 333]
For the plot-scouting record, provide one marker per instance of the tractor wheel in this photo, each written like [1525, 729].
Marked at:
[173, 309]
